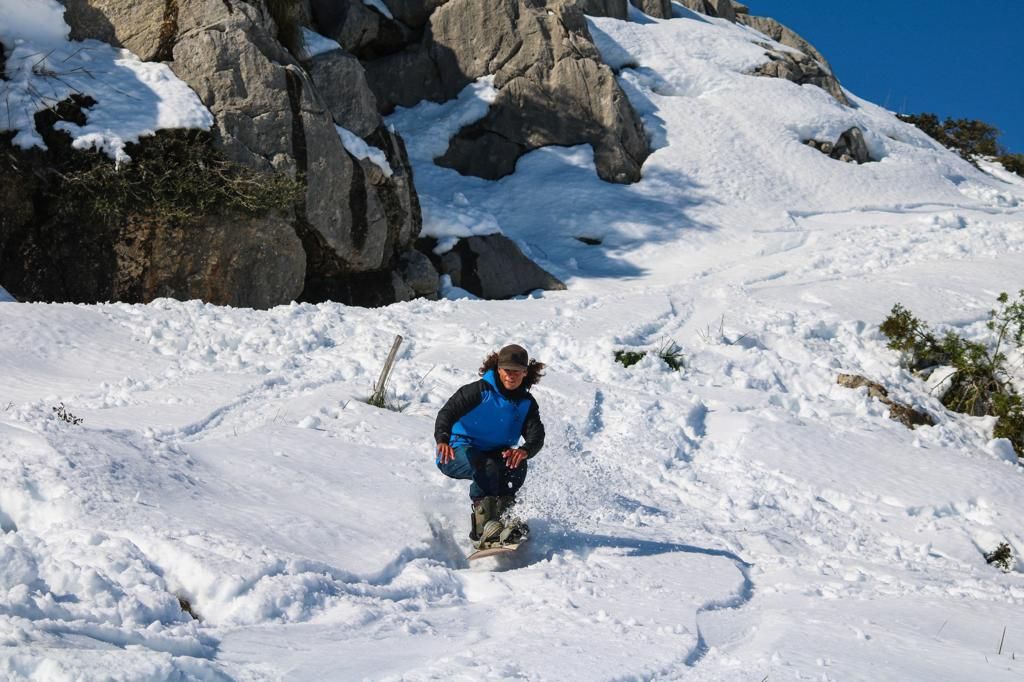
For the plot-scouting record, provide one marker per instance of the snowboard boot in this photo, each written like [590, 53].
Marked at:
[514, 530]
[486, 525]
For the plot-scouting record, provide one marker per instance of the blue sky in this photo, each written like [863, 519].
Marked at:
[959, 59]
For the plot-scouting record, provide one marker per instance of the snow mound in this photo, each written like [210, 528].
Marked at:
[129, 98]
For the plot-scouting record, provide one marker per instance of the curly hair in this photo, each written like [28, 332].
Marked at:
[534, 371]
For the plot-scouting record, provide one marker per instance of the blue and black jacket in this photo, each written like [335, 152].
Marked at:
[486, 416]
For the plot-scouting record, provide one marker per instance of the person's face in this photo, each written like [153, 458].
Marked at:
[511, 379]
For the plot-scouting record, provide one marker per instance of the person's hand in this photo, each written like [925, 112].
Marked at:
[445, 453]
[514, 457]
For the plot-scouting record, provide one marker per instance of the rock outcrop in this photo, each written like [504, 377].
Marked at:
[269, 115]
[616, 9]
[784, 35]
[280, 111]
[274, 116]
[725, 9]
[313, 117]
[810, 66]
[786, 65]
[801, 69]
[52, 248]
[660, 9]
[553, 88]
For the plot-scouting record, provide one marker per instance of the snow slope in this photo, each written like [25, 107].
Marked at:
[743, 519]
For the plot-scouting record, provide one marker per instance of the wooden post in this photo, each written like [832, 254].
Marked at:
[377, 398]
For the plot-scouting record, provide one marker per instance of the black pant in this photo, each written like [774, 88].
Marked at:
[487, 469]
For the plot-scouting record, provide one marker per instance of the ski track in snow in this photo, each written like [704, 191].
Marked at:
[740, 519]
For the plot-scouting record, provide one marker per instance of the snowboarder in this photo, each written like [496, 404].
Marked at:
[477, 434]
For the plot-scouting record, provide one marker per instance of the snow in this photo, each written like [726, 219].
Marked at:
[742, 519]
[380, 7]
[360, 149]
[448, 215]
[314, 43]
[36, 21]
[132, 98]
[996, 169]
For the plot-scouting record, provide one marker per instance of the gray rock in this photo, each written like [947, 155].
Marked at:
[451, 265]
[328, 16]
[473, 38]
[340, 79]
[401, 288]
[904, 414]
[419, 274]
[360, 29]
[493, 267]
[248, 262]
[413, 13]
[396, 192]
[740, 8]
[616, 9]
[404, 79]
[850, 147]
[802, 70]
[784, 35]
[147, 27]
[370, 289]
[267, 116]
[271, 117]
[851, 144]
[50, 252]
[712, 8]
[552, 88]
[724, 9]
[660, 9]
[698, 6]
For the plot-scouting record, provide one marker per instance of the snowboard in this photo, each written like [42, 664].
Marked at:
[492, 551]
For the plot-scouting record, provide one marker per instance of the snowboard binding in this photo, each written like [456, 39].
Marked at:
[493, 525]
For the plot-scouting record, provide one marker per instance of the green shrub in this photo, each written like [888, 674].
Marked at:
[969, 138]
[980, 384]
[1013, 163]
[670, 353]
[65, 416]
[175, 175]
[1001, 557]
[628, 358]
